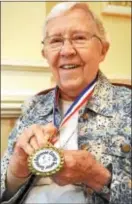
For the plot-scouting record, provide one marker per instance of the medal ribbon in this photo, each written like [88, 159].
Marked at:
[80, 100]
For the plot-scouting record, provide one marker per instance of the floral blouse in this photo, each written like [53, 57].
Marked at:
[104, 129]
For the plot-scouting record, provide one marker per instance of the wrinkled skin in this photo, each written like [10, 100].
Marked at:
[31, 139]
[79, 165]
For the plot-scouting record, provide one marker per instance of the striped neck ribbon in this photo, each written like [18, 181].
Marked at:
[75, 106]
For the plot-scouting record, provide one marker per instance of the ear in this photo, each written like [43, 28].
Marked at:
[105, 49]
[43, 53]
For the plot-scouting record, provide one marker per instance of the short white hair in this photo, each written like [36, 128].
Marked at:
[64, 7]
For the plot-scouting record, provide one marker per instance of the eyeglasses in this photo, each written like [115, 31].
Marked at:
[78, 40]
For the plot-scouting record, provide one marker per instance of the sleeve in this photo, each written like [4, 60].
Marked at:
[21, 123]
[105, 192]
[119, 150]
[121, 184]
[119, 189]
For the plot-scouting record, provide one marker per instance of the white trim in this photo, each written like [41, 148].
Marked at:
[24, 65]
[33, 63]
[18, 95]
[17, 92]
[10, 113]
[116, 10]
[11, 101]
[10, 110]
[10, 106]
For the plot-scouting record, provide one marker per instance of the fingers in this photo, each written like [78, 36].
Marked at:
[97, 176]
[23, 142]
[50, 129]
[43, 133]
[35, 137]
[26, 147]
[34, 144]
[80, 166]
[100, 174]
[95, 186]
[60, 182]
[40, 135]
[32, 138]
[20, 153]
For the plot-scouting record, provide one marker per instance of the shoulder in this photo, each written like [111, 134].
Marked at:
[41, 98]
[122, 99]
[121, 94]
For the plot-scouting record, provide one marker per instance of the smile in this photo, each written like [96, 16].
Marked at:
[69, 66]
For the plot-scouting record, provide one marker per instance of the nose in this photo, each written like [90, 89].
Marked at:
[67, 49]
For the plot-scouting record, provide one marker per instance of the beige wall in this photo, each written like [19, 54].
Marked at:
[118, 60]
[22, 30]
[21, 47]
[21, 35]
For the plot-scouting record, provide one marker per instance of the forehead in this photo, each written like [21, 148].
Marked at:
[76, 19]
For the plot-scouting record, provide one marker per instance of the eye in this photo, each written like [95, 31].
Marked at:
[79, 37]
[55, 40]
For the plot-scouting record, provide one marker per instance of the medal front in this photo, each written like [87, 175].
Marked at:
[46, 161]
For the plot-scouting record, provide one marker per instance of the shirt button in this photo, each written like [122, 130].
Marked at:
[90, 191]
[84, 147]
[126, 148]
[85, 116]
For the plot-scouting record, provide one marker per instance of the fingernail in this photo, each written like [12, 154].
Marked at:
[54, 140]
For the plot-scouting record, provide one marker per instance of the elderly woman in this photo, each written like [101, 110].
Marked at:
[83, 124]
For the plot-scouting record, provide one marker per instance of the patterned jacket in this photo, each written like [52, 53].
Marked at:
[104, 129]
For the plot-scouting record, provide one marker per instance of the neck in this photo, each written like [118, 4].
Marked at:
[66, 97]
[71, 95]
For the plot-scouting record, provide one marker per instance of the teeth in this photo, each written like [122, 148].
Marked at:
[69, 66]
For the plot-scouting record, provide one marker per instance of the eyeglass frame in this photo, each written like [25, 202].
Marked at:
[70, 40]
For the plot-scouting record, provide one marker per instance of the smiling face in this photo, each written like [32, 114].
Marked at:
[74, 68]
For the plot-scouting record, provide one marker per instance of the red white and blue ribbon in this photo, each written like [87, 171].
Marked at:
[75, 106]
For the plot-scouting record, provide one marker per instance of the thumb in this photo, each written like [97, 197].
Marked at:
[18, 151]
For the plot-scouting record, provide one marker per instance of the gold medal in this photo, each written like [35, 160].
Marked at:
[46, 161]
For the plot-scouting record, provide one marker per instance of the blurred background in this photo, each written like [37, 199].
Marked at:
[23, 70]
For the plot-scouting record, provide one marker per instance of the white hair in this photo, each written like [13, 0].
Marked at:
[64, 7]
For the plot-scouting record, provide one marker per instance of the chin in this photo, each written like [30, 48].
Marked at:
[71, 87]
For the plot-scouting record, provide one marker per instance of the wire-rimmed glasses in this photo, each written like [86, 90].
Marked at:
[78, 40]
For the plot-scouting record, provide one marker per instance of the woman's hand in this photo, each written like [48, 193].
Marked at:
[80, 166]
[33, 138]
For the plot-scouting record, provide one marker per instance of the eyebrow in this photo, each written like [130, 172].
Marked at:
[56, 34]
[80, 31]
[71, 33]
